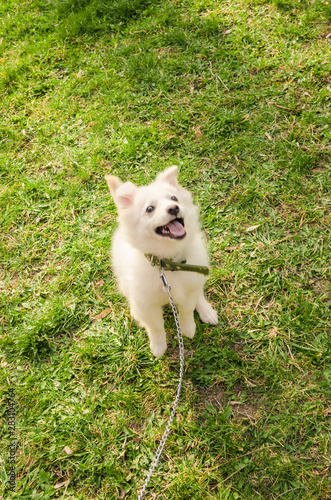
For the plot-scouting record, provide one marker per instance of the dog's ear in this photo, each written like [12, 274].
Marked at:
[123, 193]
[113, 183]
[169, 175]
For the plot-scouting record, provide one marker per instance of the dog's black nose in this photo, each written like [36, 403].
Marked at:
[173, 210]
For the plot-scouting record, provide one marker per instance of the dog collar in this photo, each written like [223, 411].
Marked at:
[170, 265]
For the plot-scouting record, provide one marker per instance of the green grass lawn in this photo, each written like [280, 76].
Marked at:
[238, 95]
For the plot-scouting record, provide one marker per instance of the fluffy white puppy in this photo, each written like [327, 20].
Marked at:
[159, 219]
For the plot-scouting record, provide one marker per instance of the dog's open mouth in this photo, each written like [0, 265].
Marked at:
[174, 229]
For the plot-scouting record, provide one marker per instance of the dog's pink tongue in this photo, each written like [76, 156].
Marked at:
[176, 229]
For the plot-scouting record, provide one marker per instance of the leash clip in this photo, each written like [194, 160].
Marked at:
[166, 286]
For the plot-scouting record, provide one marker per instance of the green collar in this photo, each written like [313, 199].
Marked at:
[170, 265]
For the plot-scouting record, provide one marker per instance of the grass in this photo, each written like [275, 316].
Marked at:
[238, 95]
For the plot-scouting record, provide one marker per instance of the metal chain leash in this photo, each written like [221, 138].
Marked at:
[166, 289]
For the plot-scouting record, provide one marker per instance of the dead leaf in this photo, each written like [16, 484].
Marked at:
[252, 228]
[59, 485]
[103, 314]
[29, 463]
[273, 332]
[94, 285]
[234, 247]
[198, 133]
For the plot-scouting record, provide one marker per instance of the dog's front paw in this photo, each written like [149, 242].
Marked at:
[158, 349]
[211, 317]
[189, 330]
[207, 313]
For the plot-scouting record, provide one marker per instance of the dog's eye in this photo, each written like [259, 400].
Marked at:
[174, 198]
[150, 209]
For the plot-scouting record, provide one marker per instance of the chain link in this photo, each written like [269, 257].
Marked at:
[166, 289]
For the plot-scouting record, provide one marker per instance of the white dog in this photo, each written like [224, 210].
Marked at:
[159, 219]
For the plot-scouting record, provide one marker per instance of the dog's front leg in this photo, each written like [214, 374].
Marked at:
[151, 318]
[186, 317]
[206, 312]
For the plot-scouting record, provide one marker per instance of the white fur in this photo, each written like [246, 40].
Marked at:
[136, 236]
